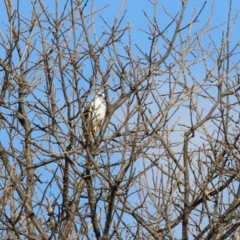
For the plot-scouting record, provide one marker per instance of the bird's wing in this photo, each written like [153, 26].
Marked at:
[86, 121]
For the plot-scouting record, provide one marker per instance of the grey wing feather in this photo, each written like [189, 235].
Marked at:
[86, 119]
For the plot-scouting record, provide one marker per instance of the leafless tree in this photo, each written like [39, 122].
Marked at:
[165, 163]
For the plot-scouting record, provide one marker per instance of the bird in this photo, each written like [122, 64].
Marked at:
[94, 115]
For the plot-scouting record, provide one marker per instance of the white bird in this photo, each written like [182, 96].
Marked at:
[94, 114]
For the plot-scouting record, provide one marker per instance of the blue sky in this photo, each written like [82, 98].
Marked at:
[217, 11]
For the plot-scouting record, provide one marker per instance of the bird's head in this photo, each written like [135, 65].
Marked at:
[101, 95]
